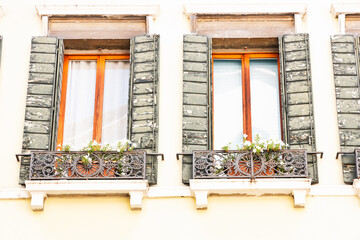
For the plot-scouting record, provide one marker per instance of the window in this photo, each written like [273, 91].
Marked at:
[246, 97]
[94, 97]
[104, 30]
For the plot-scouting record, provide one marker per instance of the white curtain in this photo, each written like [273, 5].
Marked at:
[80, 100]
[115, 107]
[265, 102]
[228, 110]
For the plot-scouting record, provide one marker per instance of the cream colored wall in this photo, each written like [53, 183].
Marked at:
[270, 217]
[253, 218]
[21, 22]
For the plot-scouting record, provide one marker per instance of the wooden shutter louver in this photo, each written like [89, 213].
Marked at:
[297, 103]
[143, 98]
[196, 98]
[43, 98]
[346, 70]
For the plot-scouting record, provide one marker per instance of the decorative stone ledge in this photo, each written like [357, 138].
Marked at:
[39, 190]
[98, 10]
[245, 9]
[202, 188]
[356, 187]
[344, 8]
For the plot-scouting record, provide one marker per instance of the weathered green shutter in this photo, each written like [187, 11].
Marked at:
[297, 103]
[43, 98]
[345, 64]
[143, 98]
[196, 98]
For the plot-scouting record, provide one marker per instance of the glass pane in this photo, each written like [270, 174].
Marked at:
[265, 101]
[228, 113]
[80, 99]
[115, 106]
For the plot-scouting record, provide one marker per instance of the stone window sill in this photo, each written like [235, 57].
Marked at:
[202, 188]
[39, 190]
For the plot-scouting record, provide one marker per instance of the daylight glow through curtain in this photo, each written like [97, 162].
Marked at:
[115, 107]
[80, 100]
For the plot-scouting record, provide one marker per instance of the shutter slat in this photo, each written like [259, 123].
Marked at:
[196, 94]
[297, 112]
[143, 95]
[346, 71]
[43, 98]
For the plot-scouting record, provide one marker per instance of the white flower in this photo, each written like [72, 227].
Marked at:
[217, 165]
[245, 135]
[247, 143]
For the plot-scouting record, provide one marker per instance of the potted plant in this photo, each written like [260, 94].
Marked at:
[94, 159]
[262, 158]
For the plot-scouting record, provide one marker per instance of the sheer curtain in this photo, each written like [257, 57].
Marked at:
[228, 110]
[265, 102]
[80, 100]
[115, 106]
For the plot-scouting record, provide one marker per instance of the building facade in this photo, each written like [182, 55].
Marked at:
[173, 78]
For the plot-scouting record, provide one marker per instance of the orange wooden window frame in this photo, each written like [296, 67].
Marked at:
[246, 96]
[99, 91]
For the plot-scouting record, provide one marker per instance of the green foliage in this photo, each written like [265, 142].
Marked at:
[259, 145]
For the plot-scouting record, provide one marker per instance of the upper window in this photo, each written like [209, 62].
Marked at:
[246, 97]
[94, 101]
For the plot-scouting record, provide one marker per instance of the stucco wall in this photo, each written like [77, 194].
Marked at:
[271, 217]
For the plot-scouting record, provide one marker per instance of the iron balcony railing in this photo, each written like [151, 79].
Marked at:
[246, 164]
[55, 165]
[357, 162]
[350, 159]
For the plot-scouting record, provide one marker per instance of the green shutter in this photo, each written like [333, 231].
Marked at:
[345, 65]
[196, 98]
[43, 98]
[296, 95]
[143, 98]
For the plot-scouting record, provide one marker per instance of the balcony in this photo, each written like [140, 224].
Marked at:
[246, 164]
[82, 172]
[84, 165]
[283, 172]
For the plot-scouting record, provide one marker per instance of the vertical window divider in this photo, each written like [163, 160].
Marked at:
[246, 97]
[63, 102]
[99, 98]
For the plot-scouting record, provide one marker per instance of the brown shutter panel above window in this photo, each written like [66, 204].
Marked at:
[143, 98]
[43, 98]
[196, 98]
[296, 95]
[345, 64]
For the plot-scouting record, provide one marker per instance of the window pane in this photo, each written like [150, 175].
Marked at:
[80, 99]
[115, 106]
[228, 113]
[265, 105]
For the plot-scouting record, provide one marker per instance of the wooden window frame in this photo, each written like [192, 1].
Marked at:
[246, 95]
[99, 91]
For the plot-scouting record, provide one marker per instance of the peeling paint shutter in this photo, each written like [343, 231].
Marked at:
[345, 64]
[196, 98]
[43, 98]
[143, 98]
[297, 103]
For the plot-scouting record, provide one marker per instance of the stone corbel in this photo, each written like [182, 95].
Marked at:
[202, 188]
[39, 190]
[37, 201]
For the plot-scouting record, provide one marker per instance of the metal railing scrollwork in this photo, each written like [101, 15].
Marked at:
[246, 164]
[57, 165]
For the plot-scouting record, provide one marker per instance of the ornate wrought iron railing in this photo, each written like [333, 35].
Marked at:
[246, 164]
[83, 165]
[357, 162]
